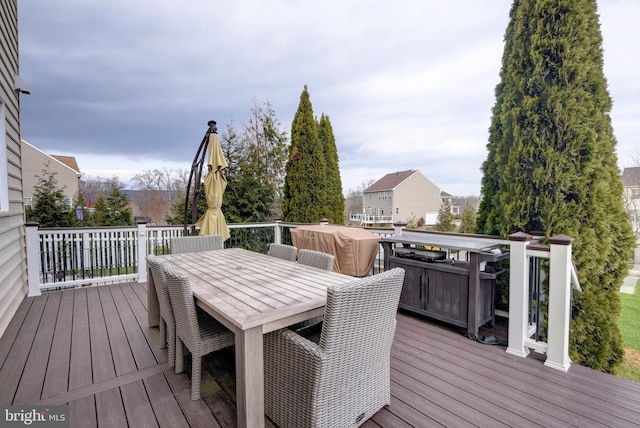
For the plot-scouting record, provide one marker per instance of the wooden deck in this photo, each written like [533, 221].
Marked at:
[91, 348]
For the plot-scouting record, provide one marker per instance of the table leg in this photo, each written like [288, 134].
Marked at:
[250, 378]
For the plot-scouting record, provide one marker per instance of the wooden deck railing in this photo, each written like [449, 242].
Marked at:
[73, 257]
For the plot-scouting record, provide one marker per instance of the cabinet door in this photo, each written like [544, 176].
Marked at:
[446, 295]
[410, 297]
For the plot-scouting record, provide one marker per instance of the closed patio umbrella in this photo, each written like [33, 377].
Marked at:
[213, 222]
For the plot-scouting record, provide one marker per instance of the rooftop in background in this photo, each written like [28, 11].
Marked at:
[69, 161]
[390, 181]
[631, 176]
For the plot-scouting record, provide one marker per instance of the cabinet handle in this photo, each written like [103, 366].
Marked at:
[428, 286]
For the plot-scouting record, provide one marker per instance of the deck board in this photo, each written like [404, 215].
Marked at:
[57, 375]
[36, 366]
[80, 364]
[92, 349]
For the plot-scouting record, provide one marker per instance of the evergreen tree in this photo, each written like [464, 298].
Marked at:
[468, 221]
[551, 167]
[176, 211]
[100, 212]
[48, 202]
[304, 184]
[445, 217]
[118, 210]
[335, 198]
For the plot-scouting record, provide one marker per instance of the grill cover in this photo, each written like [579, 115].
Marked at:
[354, 249]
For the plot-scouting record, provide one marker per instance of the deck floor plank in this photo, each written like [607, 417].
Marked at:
[80, 372]
[560, 400]
[32, 379]
[167, 411]
[140, 349]
[120, 350]
[82, 412]
[101, 359]
[137, 406]
[11, 333]
[57, 377]
[140, 312]
[92, 348]
[110, 409]
[14, 365]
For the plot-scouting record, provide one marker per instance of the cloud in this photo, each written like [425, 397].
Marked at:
[407, 84]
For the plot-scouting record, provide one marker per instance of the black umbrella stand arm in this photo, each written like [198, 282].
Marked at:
[195, 177]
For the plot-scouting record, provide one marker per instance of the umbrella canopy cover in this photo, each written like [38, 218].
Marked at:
[213, 222]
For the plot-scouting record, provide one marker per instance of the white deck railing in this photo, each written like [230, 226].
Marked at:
[561, 275]
[371, 219]
[72, 257]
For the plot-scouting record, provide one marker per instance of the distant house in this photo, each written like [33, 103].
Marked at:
[399, 196]
[631, 186]
[35, 162]
[13, 255]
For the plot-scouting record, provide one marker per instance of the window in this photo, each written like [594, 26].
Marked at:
[28, 203]
[397, 210]
[4, 173]
[635, 193]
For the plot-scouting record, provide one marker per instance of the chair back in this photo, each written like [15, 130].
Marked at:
[184, 307]
[282, 251]
[190, 244]
[316, 259]
[157, 268]
[360, 318]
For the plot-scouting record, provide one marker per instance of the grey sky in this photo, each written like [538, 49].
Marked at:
[128, 85]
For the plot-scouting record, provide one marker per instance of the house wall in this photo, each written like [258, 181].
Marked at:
[378, 203]
[415, 197]
[35, 162]
[13, 260]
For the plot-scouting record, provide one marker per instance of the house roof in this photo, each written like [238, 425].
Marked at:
[390, 181]
[69, 161]
[631, 176]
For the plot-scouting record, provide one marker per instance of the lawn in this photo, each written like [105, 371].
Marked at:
[629, 322]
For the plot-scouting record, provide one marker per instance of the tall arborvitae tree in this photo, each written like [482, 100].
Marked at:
[551, 167]
[304, 184]
[335, 198]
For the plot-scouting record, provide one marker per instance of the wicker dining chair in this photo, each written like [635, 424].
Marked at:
[282, 251]
[189, 244]
[316, 259]
[167, 320]
[195, 329]
[344, 379]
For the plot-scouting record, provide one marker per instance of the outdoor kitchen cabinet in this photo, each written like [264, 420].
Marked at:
[453, 291]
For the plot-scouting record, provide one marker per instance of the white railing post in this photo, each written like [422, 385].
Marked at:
[277, 231]
[33, 258]
[559, 302]
[142, 252]
[398, 228]
[518, 294]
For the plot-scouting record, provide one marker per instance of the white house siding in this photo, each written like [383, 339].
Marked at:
[415, 197]
[13, 265]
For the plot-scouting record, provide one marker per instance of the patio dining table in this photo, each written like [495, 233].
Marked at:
[251, 294]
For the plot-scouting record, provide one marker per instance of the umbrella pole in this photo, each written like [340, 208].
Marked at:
[196, 174]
